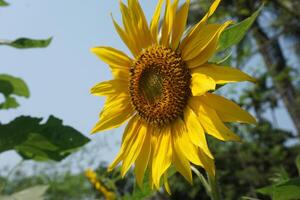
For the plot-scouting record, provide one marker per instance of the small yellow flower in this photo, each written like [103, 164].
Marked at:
[163, 89]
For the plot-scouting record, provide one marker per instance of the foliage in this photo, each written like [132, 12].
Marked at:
[42, 142]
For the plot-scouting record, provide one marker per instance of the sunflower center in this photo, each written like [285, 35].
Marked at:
[159, 85]
[151, 86]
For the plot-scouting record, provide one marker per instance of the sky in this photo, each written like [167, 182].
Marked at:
[60, 76]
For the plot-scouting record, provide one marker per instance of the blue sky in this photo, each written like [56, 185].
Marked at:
[61, 75]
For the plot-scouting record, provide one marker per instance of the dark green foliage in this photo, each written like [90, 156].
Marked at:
[32, 140]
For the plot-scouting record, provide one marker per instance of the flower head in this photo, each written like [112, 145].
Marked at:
[164, 90]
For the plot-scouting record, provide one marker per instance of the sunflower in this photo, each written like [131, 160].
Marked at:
[164, 91]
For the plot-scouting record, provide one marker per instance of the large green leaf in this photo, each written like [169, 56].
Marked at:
[9, 86]
[288, 190]
[3, 3]
[234, 34]
[33, 140]
[24, 43]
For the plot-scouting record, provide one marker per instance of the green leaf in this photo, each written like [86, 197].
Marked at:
[10, 102]
[13, 85]
[41, 142]
[3, 3]
[234, 34]
[24, 43]
[288, 190]
[9, 86]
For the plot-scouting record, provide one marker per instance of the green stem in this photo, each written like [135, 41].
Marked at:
[202, 180]
[215, 191]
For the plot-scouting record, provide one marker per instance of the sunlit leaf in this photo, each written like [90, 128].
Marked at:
[33, 140]
[10, 102]
[13, 85]
[9, 86]
[234, 34]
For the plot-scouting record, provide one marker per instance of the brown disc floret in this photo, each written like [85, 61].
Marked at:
[159, 85]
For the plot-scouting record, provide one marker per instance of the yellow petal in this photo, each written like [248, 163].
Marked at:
[203, 38]
[155, 21]
[116, 111]
[112, 87]
[132, 26]
[181, 164]
[166, 183]
[201, 84]
[126, 38]
[183, 144]
[203, 56]
[113, 57]
[143, 159]
[179, 24]
[192, 34]
[162, 155]
[195, 130]
[211, 122]
[129, 133]
[222, 75]
[140, 20]
[227, 110]
[134, 148]
[118, 73]
[208, 163]
[168, 22]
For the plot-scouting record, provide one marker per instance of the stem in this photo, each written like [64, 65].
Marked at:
[202, 180]
[215, 191]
